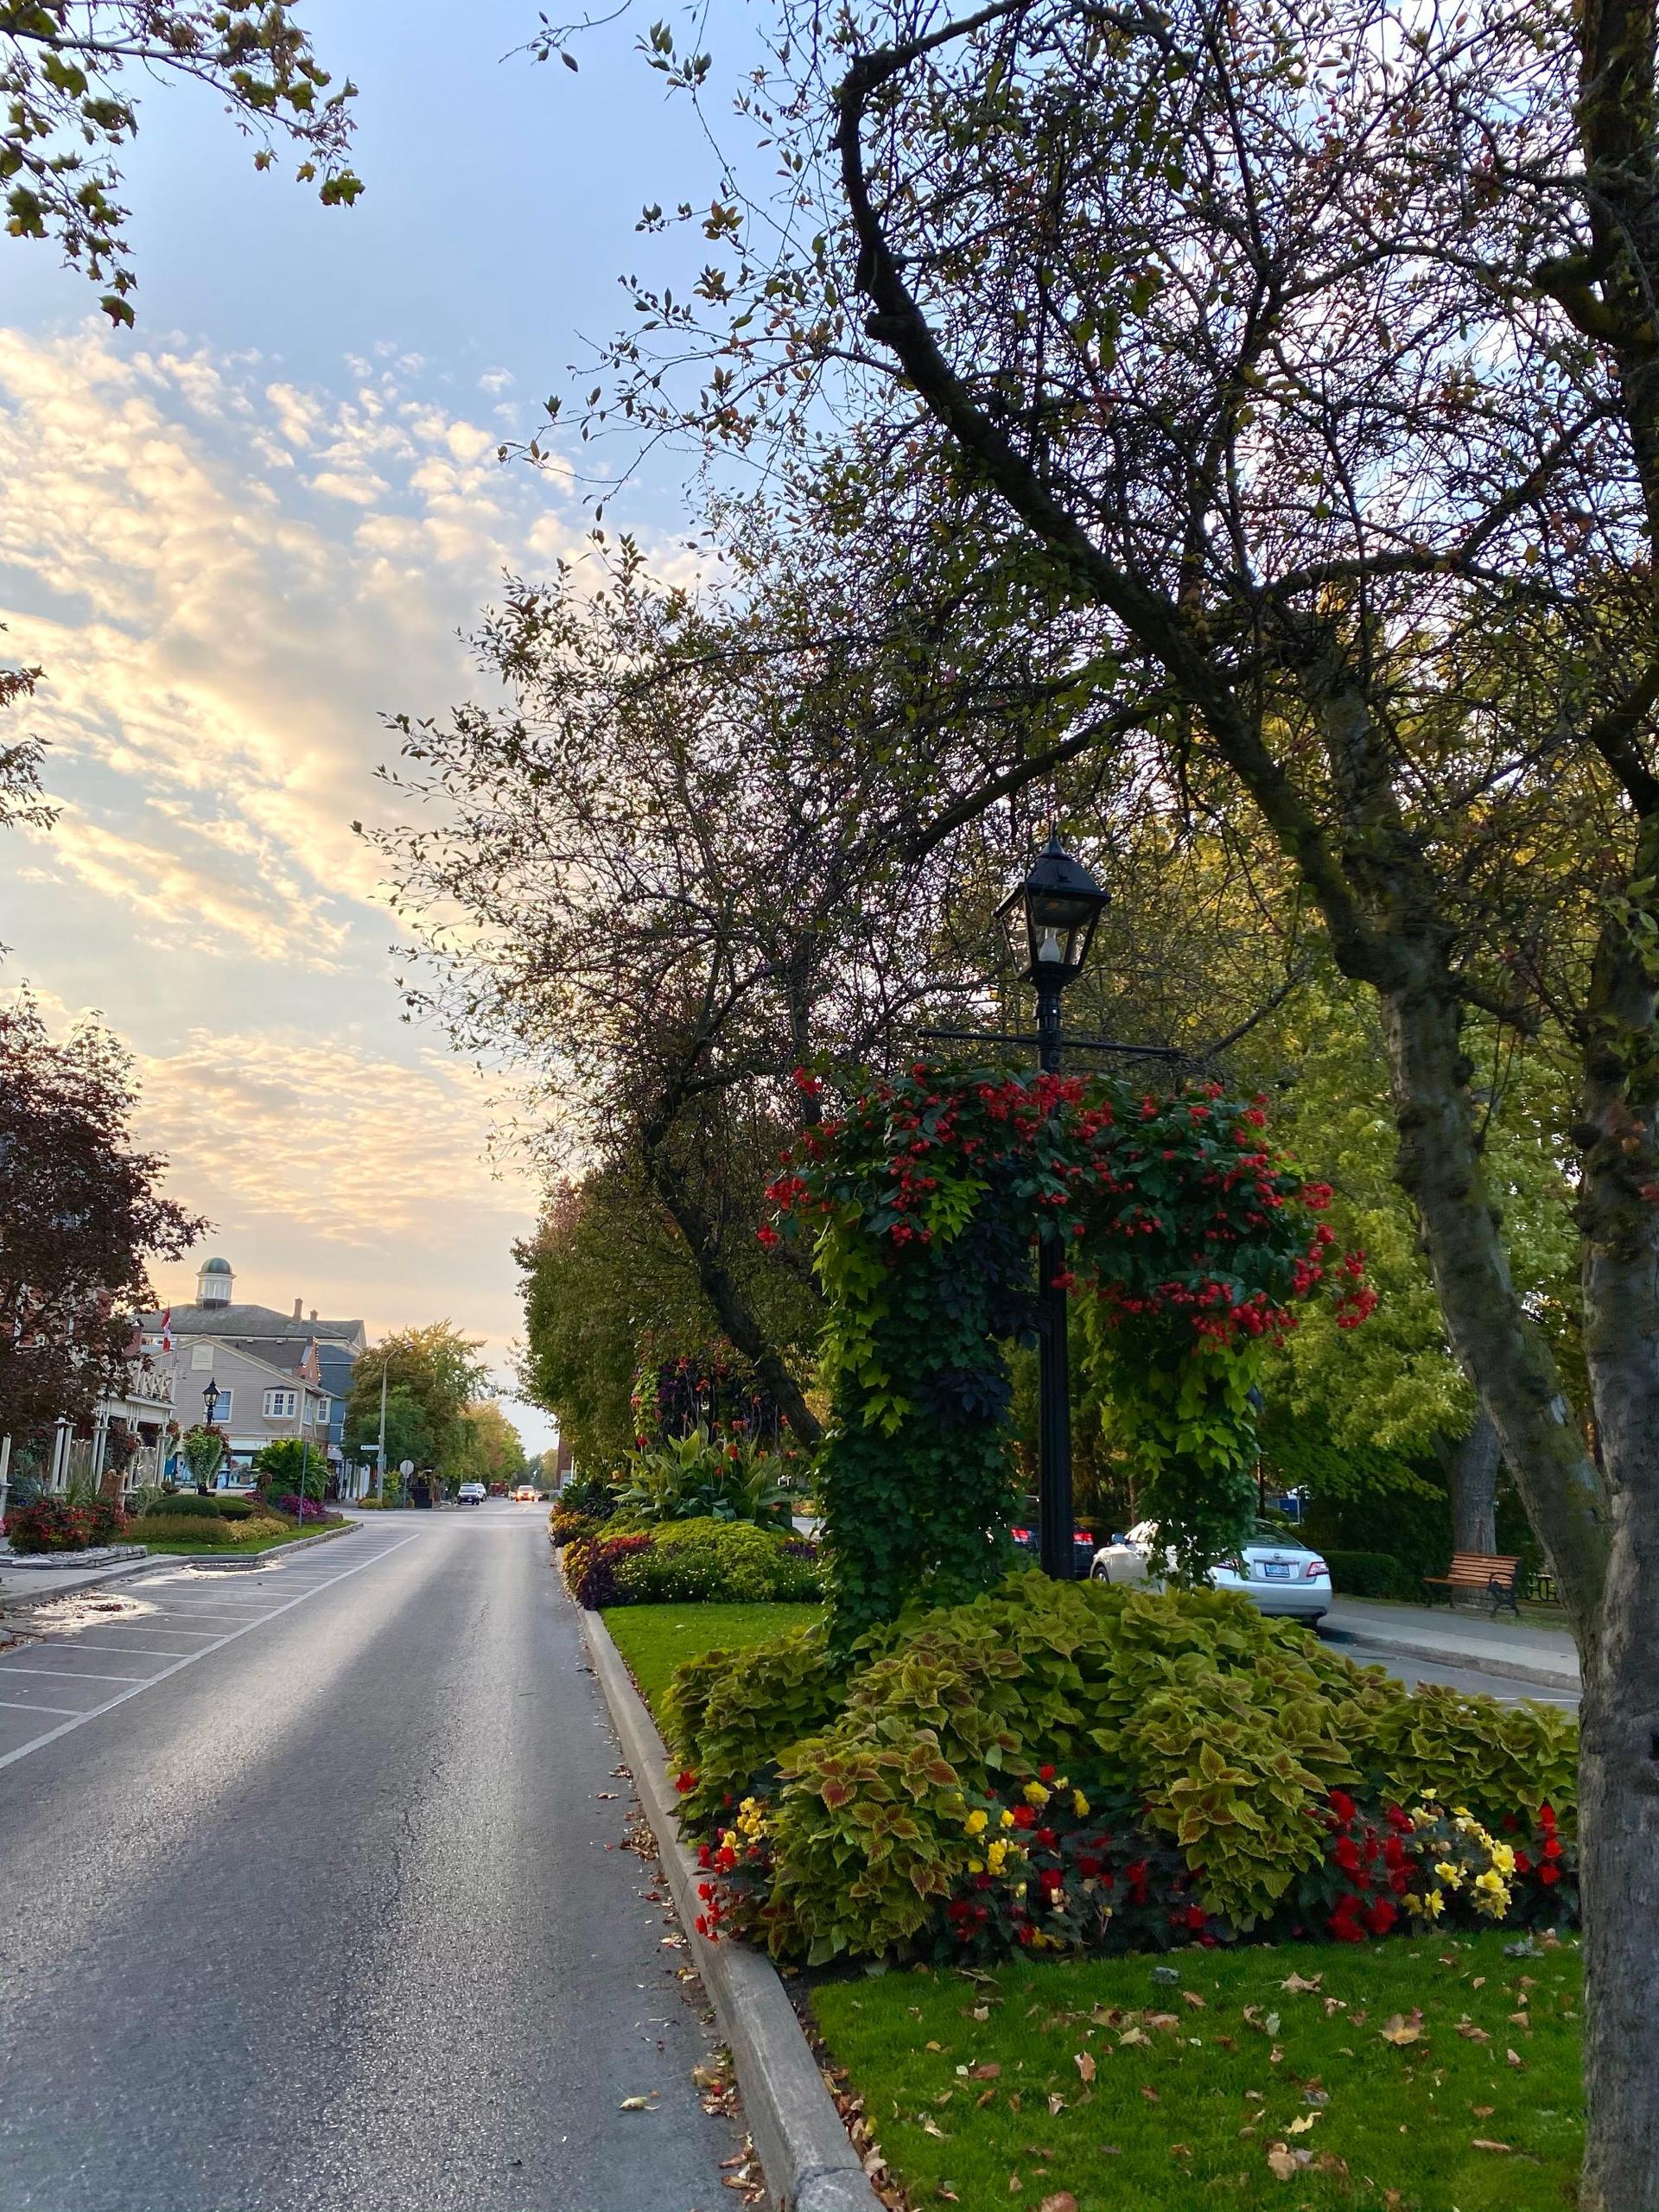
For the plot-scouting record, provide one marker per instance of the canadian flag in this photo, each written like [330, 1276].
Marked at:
[167, 1330]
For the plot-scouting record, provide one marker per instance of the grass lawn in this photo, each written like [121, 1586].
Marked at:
[189, 1549]
[1096, 2082]
[656, 1639]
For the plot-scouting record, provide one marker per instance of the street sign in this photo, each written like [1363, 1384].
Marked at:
[405, 1466]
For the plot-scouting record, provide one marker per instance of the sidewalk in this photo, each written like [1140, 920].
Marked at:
[21, 1587]
[1521, 1650]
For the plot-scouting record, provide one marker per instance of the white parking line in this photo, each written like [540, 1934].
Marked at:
[72, 1673]
[17, 1705]
[189, 1658]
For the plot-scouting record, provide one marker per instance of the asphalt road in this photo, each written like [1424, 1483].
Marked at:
[330, 1911]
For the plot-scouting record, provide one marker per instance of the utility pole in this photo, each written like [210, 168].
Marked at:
[380, 1456]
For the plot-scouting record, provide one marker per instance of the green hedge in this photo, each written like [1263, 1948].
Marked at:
[731, 1561]
[1371, 1574]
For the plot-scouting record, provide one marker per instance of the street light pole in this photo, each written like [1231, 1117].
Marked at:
[1056, 1528]
[380, 1456]
[1050, 919]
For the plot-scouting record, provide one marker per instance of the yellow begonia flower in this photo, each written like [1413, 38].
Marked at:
[1080, 1804]
[1502, 1859]
[1035, 1794]
[997, 1856]
[1020, 1890]
[976, 1822]
[1008, 1819]
[1424, 1817]
[1435, 1902]
[976, 1866]
[1446, 1873]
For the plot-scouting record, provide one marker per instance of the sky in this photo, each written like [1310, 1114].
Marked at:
[237, 537]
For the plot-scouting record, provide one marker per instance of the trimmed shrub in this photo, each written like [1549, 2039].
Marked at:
[49, 1524]
[564, 1527]
[236, 1508]
[692, 1562]
[1369, 1575]
[189, 1505]
[298, 1509]
[1207, 1730]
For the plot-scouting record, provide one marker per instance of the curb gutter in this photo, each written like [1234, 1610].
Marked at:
[810, 2164]
[1474, 1662]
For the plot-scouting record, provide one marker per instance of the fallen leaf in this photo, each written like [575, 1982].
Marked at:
[1271, 2023]
[1191, 1997]
[1162, 2020]
[948, 2194]
[1480, 2143]
[932, 2127]
[1084, 2062]
[1062, 2200]
[1329, 2163]
[935, 2046]
[1131, 2036]
[1334, 2004]
[1298, 1987]
[1520, 2020]
[1013, 2185]
[1285, 2162]
[708, 2077]
[987, 2072]
[635, 2104]
[981, 2012]
[1397, 2030]
[1483, 2112]
[1255, 2096]
[1181, 2150]
[1056, 2105]
[1480, 1982]
[1276, 2054]
[1302, 2122]
[1470, 2032]
[984, 2098]
[1515, 2058]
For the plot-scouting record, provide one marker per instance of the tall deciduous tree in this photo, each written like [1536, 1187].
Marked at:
[81, 1216]
[438, 1375]
[67, 109]
[1309, 349]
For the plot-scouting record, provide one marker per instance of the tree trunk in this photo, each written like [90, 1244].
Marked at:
[1473, 1477]
[727, 1300]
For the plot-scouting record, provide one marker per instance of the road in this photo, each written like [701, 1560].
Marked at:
[330, 1910]
[1470, 1681]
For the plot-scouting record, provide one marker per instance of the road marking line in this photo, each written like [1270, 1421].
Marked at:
[73, 1674]
[18, 1705]
[189, 1658]
[133, 1650]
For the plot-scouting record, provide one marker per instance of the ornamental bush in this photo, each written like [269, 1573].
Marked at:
[690, 1562]
[193, 1506]
[1186, 1244]
[1207, 1746]
[50, 1524]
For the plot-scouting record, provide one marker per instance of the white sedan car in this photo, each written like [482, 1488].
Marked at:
[1273, 1571]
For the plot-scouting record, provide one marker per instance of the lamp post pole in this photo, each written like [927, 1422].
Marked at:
[1056, 1529]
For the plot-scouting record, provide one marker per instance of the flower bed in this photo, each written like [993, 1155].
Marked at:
[1074, 1767]
[54, 1524]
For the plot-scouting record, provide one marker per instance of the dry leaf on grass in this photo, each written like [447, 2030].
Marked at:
[1191, 1997]
[1150, 2094]
[1298, 1987]
[1284, 2162]
[1515, 2059]
[1398, 2030]
[637, 2104]
[1062, 2200]
[989, 2072]
[1480, 2143]
[1302, 2122]
[1084, 2062]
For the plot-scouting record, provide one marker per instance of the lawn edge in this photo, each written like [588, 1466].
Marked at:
[809, 2162]
[247, 1561]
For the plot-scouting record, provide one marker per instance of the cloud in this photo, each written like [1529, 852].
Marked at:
[495, 381]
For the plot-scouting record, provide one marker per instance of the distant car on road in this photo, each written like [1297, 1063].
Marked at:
[1274, 1570]
[470, 1494]
[527, 1494]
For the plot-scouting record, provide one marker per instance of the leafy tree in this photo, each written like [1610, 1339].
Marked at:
[493, 1450]
[80, 1218]
[432, 1375]
[1334, 415]
[202, 1450]
[67, 111]
[21, 798]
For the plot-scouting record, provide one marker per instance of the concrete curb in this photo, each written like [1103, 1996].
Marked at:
[20, 1600]
[1474, 1662]
[810, 2164]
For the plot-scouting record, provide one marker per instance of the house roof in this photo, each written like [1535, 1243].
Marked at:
[253, 1322]
[216, 1267]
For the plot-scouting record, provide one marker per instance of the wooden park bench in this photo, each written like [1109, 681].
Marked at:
[1494, 1576]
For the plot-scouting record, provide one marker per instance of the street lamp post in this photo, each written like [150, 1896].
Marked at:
[1050, 919]
[209, 1407]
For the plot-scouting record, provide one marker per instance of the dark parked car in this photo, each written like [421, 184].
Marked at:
[1083, 1548]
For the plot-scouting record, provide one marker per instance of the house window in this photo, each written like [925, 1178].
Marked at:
[201, 1355]
[279, 1404]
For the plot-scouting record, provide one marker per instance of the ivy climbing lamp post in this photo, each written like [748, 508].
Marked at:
[1050, 919]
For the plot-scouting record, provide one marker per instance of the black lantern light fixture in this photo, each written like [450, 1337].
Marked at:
[1050, 921]
[210, 1402]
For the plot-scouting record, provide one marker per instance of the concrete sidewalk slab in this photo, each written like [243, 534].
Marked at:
[19, 1589]
[1519, 1650]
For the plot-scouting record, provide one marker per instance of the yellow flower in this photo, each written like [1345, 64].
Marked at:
[1413, 1902]
[1435, 1904]
[1020, 1889]
[1494, 1897]
[1424, 1817]
[1503, 1858]
[976, 1822]
[996, 1855]
[1461, 1813]
[1008, 1819]
[1080, 1804]
[1035, 1794]
[976, 1866]
[1446, 1873]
